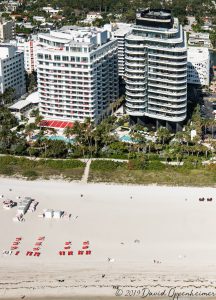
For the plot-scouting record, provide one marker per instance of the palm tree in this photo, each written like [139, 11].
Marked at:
[163, 135]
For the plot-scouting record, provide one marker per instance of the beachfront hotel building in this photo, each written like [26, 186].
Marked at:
[12, 72]
[156, 69]
[77, 73]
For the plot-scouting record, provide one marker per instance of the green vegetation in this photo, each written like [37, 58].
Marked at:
[32, 169]
[152, 172]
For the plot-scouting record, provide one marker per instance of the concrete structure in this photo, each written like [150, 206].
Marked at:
[198, 66]
[29, 48]
[50, 10]
[91, 17]
[199, 39]
[12, 72]
[6, 30]
[156, 69]
[39, 19]
[119, 32]
[77, 73]
[22, 106]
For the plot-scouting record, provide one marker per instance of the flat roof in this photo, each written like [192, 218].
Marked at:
[32, 98]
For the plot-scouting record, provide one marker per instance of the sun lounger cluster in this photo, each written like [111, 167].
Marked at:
[8, 204]
[14, 247]
[36, 249]
[67, 249]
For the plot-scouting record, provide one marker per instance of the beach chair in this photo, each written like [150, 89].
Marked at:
[17, 253]
[36, 249]
[29, 253]
[14, 248]
[61, 252]
[80, 252]
[88, 252]
[70, 252]
[38, 244]
[37, 254]
[85, 247]
[67, 243]
[67, 247]
[86, 243]
[41, 238]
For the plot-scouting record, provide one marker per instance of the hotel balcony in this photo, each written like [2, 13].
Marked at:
[163, 86]
[134, 76]
[135, 52]
[173, 100]
[159, 79]
[167, 110]
[135, 58]
[136, 106]
[181, 104]
[170, 74]
[135, 70]
[160, 61]
[135, 112]
[136, 82]
[172, 56]
[165, 117]
[166, 92]
[135, 94]
[167, 68]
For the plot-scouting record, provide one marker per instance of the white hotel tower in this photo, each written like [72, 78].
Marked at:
[156, 69]
[77, 73]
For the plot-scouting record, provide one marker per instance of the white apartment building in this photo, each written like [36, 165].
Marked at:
[198, 66]
[29, 48]
[12, 73]
[77, 71]
[199, 39]
[156, 69]
[6, 30]
[50, 10]
[39, 19]
[119, 32]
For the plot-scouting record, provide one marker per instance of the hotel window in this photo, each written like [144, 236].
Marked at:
[57, 57]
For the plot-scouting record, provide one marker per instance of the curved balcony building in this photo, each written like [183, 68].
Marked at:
[156, 68]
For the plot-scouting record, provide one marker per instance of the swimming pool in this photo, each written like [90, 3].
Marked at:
[126, 138]
[60, 138]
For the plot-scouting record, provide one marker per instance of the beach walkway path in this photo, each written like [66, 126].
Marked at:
[86, 172]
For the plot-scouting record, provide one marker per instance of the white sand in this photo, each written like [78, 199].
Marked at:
[179, 233]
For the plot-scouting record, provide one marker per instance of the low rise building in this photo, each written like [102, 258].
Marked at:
[39, 19]
[198, 66]
[12, 72]
[199, 39]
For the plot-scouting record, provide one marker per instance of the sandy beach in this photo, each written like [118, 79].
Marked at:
[144, 241]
